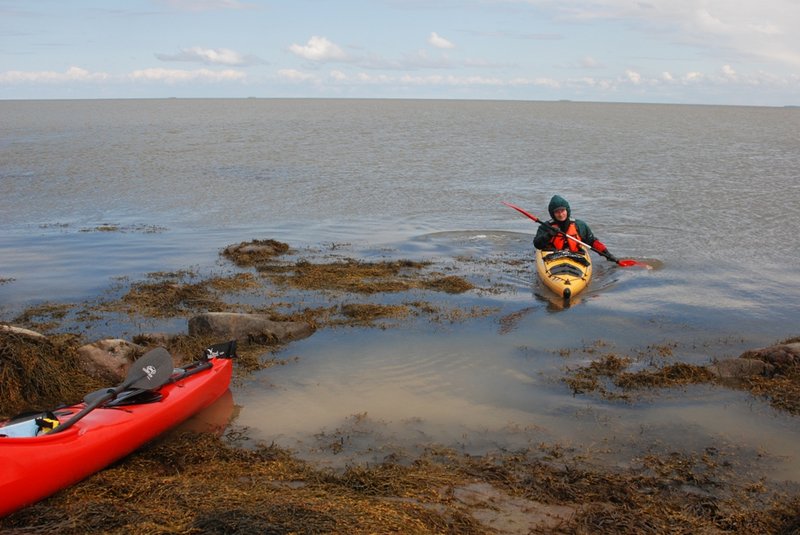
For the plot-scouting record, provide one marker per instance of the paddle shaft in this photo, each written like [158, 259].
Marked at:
[151, 371]
[559, 231]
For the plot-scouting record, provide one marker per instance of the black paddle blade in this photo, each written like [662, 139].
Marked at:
[150, 371]
[155, 359]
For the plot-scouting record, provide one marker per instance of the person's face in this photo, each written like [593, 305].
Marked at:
[560, 214]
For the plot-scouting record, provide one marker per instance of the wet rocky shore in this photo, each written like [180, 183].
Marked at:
[189, 482]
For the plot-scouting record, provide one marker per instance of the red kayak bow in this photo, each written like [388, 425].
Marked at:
[622, 263]
[107, 425]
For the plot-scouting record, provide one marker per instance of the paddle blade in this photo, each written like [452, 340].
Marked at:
[630, 263]
[150, 371]
[158, 364]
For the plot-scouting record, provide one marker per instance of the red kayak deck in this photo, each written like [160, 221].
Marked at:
[36, 467]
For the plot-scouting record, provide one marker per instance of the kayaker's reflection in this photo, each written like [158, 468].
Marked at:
[554, 302]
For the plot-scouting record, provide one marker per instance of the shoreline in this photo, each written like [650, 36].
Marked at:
[551, 487]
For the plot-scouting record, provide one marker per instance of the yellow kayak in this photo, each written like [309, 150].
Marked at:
[564, 272]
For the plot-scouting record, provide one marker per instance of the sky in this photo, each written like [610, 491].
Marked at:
[730, 52]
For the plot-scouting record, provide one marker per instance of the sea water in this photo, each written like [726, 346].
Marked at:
[707, 194]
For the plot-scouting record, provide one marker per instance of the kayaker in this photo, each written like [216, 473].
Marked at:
[548, 237]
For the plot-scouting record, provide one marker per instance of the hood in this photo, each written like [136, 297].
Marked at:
[557, 202]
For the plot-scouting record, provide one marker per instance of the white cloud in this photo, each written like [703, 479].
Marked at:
[173, 76]
[439, 80]
[77, 74]
[540, 82]
[439, 42]
[634, 77]
[209, 56]
[728, 72]
[588, 81]
[375, 78]
[73, 74]
[319, 49]
[293, 75]
[766, 29]
[601, 87]
[413, 61]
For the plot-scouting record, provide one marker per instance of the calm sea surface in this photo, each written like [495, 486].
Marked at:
[710, 194]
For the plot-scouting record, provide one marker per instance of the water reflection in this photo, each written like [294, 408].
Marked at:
[498, 381]
[555, 303]
[367, 394]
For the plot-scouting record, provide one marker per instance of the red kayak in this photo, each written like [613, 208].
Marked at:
[45, 453]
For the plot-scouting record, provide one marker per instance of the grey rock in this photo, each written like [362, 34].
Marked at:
[108, 360]
[779, 355]
[741, 368]
[248, 327]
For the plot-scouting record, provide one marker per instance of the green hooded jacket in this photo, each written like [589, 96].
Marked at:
[543, 235]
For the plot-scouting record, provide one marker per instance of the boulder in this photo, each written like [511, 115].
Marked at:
[781, 356]
[741, 368]
[257, 328]
[108, 360]
[266, 248]
[154, 339]
[254, 252]
[22, 332]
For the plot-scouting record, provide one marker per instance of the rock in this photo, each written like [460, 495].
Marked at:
[741, 368]
[108, 360]
[22, 332]
[248, 327]
[154, 339]
[781, 355]
[254, 252]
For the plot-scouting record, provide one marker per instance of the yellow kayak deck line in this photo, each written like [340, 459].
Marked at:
[566, 273]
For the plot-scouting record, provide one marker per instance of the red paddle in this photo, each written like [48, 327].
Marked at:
[621, 263]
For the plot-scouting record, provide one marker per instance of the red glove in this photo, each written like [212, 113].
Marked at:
[599, 247]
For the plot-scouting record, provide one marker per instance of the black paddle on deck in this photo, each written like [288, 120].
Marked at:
[152, 370]
[224, 350]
